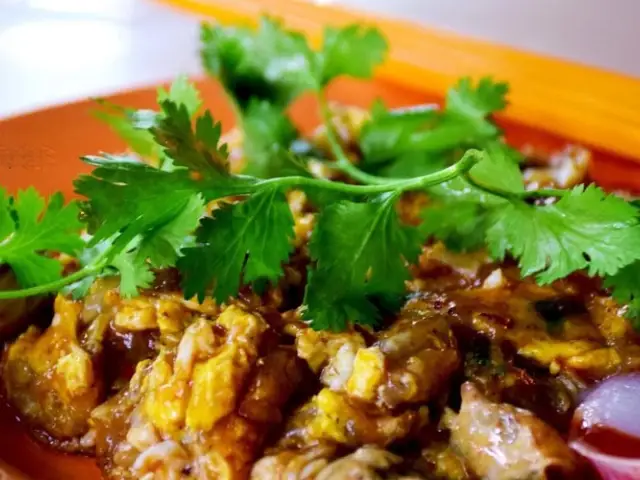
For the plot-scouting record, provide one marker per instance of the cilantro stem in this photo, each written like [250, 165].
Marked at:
[468, 160]
[462, 166]
[327, 185]
[492, 191]
[342, 162]
[545, 193]
[542, 193]
[51, 286]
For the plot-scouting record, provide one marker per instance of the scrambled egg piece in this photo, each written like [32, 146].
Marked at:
[332, 417]
[318, 348]
[200, 410]
[585, 357]
[57, 376]
[367, 374]
[51, 376]
[410, 362]
[304, 218]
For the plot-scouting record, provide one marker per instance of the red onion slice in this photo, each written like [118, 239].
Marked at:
[610, 467]
[606, 428]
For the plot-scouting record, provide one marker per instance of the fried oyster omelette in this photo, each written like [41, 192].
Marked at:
[478, 376]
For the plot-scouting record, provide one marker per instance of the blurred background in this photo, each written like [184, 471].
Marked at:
[54, 51]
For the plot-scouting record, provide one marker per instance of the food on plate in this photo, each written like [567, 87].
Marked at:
[397, 295]
[502, 441]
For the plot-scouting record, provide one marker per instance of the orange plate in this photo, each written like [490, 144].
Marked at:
[43, 149]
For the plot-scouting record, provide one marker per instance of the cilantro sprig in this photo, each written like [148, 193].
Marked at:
[406, 142]
[31, 226]
[183, 208]
[273, 66]
[141, 218]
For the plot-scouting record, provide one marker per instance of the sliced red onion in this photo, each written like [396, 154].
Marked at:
[607, 428]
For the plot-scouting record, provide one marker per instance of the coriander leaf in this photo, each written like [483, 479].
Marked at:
[464, 122]
[459, 189]
[487, 97]
[388, 132]
[135, 273]
[358, 235]
[125, 195]
[584, 229]
[133, 125]
[361, 251]
[326, 311]
[451, 133]
[353, 50]
[7, 222]
[502, 148]
[284, 56]
[461, 225]
[182, 92]
[122, 122]
[87, 257]
[162, 245]
[130, 261]
[248, 241]
[467, 112]
[321, 198]
[276, 65]
[80, 289]
[271, 63]
[197, 150]
[161, 135]
[157, 209]
[625, 288]
[460, 214]
[30, 227]
[498, 170]
[415, 164]
[268, 134]
[32, 269]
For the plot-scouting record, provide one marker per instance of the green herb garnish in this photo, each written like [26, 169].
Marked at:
[141, 218]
